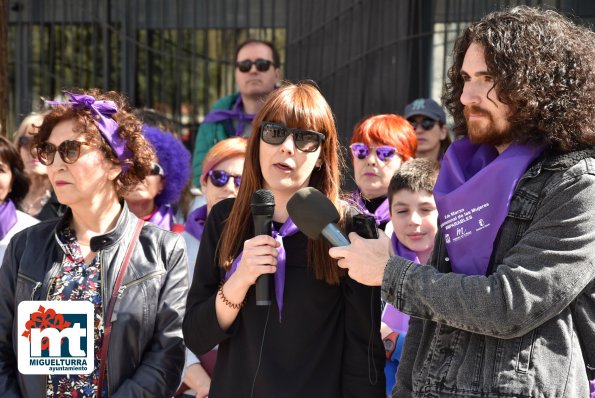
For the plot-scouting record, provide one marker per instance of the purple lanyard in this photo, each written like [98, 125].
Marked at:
[287, 229]
[196, 222]
[8, 217]
[235, 113]
[473, 193]
[394, 318]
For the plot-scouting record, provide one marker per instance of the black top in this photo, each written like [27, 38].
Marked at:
[326, 345]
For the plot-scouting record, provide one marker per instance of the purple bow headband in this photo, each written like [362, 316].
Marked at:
[102, 111]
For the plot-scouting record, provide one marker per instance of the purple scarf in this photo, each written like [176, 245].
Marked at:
[163, 217]
[195, 223]
[102, 111]
[287, 229]
[235, 113]
[8, 217]
[394, 318]
[473, 193]
[382, 213]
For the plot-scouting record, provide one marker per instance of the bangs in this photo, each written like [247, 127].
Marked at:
[301, 110]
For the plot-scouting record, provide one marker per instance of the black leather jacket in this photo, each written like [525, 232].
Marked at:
[146, 349]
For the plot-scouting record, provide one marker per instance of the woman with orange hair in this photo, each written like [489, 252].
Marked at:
[379, 145]
[320, 337]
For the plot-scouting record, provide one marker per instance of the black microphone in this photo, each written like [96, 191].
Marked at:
[315, 215]
[263, 207]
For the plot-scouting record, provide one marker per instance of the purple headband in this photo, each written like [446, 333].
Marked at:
[102, 111]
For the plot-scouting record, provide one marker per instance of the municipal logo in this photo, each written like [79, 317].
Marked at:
[55, 337]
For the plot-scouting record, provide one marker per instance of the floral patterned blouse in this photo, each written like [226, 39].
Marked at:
[77, 281]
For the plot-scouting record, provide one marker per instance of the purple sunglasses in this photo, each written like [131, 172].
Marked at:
[220, 177]
[361, 151]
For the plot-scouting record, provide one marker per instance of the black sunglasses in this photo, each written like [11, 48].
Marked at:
[219, 178]
[426, 124]
[69, 150]
[24, 141]
[262, 65]
[156, 170]
[304, 140]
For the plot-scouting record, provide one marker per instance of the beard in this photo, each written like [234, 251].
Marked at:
[485, 130]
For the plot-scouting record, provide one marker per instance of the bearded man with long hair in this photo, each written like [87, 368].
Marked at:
[507, 307]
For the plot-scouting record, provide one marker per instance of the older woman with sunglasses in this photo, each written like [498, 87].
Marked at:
[133, 273]
[154, 198]
[379, 145]
[13, 188]
[41, 201]
[318, 337]
[220, 179]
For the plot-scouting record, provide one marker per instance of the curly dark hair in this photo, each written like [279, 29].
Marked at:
[20, 182]
[130, 131]
[543, 69]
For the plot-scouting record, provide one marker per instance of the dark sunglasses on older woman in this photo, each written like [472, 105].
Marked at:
[69, 150]
[262, 65]
[362, 151]
[426, 124]
[304, 140]
[219, 178]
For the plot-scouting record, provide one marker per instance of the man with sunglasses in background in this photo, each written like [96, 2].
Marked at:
[257, 74]
[429, 121]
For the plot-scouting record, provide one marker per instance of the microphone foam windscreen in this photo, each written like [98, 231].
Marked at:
[311, 211]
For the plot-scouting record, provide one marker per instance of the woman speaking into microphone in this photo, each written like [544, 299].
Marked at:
[319, 337]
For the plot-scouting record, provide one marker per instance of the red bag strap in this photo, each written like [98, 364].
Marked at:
[107, 329]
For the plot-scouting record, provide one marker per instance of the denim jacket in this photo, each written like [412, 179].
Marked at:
[527, 327]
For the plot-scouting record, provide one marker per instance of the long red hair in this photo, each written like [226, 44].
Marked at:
[387, 129]
[298, 105]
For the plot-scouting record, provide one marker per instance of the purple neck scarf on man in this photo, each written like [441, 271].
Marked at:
[8, 217]
[236, 113]
[473, 193]
[287, 229]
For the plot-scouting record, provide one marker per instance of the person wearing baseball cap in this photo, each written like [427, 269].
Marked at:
[429, 121]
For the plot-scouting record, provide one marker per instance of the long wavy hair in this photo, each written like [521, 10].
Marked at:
[543, 69]
[298, 105]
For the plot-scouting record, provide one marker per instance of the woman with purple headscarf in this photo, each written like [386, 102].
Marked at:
[153, 198]
[131, 275]
[14, 185]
